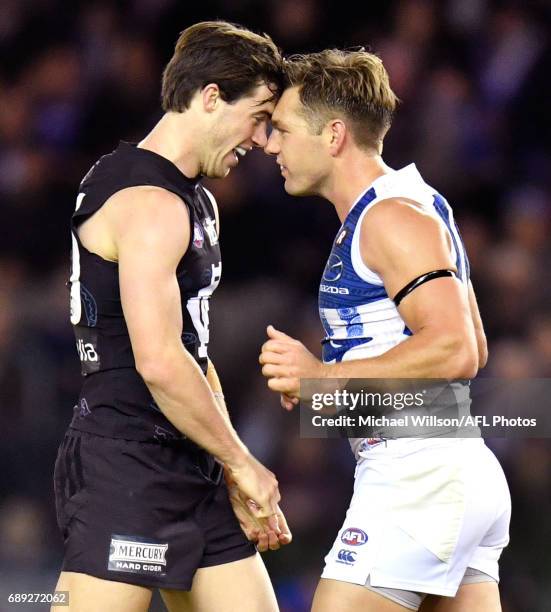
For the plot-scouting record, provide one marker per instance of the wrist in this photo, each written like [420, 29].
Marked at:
[328, 370]
[237, 458]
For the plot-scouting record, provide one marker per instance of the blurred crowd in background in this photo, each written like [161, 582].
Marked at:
[473, 79]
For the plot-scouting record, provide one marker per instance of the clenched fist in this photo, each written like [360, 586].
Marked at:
[284, 362]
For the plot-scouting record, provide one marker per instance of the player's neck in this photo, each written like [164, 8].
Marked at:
[166, 140]
[350, 179]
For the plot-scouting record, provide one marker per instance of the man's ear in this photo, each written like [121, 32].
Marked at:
[336, 133]
[210, 95]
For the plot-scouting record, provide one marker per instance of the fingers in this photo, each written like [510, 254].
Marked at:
[269, 370]
[263, 542]
[268, 533]
[289, 386]
[288, 402]
[268, 356]
[273, 522]
[275, 346]
[273, 540]
[277, 335]
[268, 536]
[275, 359]
[290, 398]
[274, 363]
[268, 540]
[285, 537]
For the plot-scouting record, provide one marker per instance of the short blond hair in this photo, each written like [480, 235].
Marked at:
[353, 84]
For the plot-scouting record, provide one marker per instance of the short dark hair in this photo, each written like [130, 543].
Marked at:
[231, 56]
[353, 83]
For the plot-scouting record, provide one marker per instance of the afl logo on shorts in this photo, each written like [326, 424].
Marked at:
[198, 235]
[333, 269]
[354, 537]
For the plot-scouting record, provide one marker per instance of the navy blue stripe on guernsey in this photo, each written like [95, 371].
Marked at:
[334, 350]
[441, 207]
[340, 286]
[355, 310]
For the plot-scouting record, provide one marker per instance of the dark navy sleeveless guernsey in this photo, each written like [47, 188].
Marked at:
[114, 400]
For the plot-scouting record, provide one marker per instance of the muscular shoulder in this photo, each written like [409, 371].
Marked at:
[399, 214]
[145, 203]
[399, 231]
[148, 216]
[399, 226]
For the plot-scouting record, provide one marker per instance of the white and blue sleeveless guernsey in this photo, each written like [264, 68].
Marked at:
[359, 317]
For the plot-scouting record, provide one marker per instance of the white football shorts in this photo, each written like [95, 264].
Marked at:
[422, 512]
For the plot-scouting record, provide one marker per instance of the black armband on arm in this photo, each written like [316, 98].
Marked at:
[417, 282]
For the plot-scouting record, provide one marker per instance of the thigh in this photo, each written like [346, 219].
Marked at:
[239, 586]
[337, 596]
[476, 597]
[90, 594]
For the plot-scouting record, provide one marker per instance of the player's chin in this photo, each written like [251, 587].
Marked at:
[219, 173]
[295, 189]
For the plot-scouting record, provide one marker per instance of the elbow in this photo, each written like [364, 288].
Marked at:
[467, 367]
[153, 371]
[482, 359]
[482, 353]
[162, 367]
[462, 358]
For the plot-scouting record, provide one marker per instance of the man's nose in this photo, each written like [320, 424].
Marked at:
[260, 138]
[271, 147]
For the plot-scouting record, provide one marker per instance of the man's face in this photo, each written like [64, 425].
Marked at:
[236, 129]
[301, 154]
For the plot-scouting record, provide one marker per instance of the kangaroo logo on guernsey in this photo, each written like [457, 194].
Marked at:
[353, 536]
[131, 554]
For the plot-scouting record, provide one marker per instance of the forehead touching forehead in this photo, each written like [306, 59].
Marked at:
[288, 109]
[262, 99]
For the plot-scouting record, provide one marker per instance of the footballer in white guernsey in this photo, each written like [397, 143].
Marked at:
[429, 516]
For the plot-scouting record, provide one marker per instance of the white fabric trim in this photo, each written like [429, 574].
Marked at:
[215, 208]
[404, 183]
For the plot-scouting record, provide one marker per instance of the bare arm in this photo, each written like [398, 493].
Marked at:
[478, 328]
[443, 344]
[150, 242]
[151, 231]
[256, 529]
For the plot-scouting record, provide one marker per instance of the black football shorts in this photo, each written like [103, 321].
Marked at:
[144, 513]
